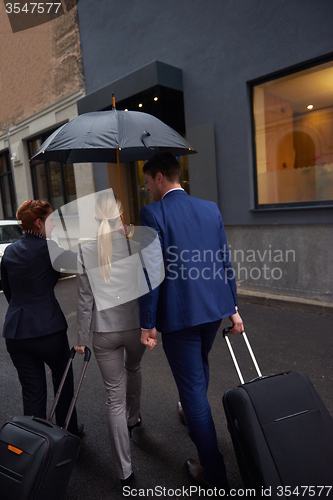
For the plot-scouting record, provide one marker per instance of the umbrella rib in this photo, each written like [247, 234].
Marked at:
[85, 141]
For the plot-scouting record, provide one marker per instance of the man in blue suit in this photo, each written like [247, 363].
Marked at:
[199, 290]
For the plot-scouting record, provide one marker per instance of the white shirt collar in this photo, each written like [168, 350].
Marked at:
[173, 189]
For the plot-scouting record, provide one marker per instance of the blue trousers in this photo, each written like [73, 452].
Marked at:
[187, 353]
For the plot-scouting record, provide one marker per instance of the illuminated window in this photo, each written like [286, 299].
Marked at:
[293, 127]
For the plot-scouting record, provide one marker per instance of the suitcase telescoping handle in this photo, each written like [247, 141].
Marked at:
[225, 335]
[87, 355]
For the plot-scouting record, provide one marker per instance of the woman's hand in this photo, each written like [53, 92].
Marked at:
[148, 338]
[79, 349]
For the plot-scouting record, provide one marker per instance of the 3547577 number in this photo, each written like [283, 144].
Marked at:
[40, 8]
[301, 491]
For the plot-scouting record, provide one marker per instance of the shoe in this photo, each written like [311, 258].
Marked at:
[127, 481]
[181, 413]
[131, 427]
[196, 473]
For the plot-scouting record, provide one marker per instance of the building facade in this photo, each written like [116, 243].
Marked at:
[41, 80]
[246, 74]
[248, 83]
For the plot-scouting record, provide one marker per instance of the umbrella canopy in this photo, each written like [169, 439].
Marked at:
[111, 136]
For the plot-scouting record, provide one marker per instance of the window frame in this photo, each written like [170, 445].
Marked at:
[12, 193]
[47, 168]
[257, 207]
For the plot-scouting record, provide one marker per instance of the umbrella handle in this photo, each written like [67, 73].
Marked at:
[130, 234]
[118, 173]
[127, 234]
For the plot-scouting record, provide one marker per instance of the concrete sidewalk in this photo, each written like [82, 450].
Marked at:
[282, 339]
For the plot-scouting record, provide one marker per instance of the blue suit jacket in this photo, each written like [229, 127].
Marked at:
[199, 284]
[28, 281]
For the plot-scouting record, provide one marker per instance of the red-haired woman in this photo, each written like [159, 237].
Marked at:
[35, 327]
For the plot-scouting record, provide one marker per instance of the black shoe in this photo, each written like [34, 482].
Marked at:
[181, 413]
[127, 481]
[131, 427]
[196, 473]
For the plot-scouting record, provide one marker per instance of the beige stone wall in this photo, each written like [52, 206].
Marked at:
[38, 66]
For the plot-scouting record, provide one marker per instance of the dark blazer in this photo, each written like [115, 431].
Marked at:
[28, 281]
[199, 284]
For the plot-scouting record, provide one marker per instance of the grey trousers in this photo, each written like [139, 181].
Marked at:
[118, 355]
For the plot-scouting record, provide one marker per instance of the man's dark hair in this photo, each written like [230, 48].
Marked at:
[165, 163]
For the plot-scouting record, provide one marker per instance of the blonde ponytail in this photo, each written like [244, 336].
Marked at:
[108, 209]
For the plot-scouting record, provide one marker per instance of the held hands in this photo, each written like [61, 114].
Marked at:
[79, 349]
[149, 338]
[237, 323]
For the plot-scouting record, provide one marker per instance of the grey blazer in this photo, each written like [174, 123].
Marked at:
[112, 306]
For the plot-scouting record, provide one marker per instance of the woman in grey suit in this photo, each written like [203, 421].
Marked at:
[108, 306]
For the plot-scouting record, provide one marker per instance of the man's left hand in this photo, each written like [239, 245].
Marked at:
[237, 323]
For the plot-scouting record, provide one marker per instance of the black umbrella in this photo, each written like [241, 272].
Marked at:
[97, 136]
[113, 137]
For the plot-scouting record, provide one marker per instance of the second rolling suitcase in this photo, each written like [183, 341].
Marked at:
[36, 456]
[282, 434]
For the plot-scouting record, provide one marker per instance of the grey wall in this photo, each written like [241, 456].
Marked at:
[202, 166]
[293, 261]
[219, 45]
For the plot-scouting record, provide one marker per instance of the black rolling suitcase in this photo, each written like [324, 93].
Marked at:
[282, 434]
[36, 456]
